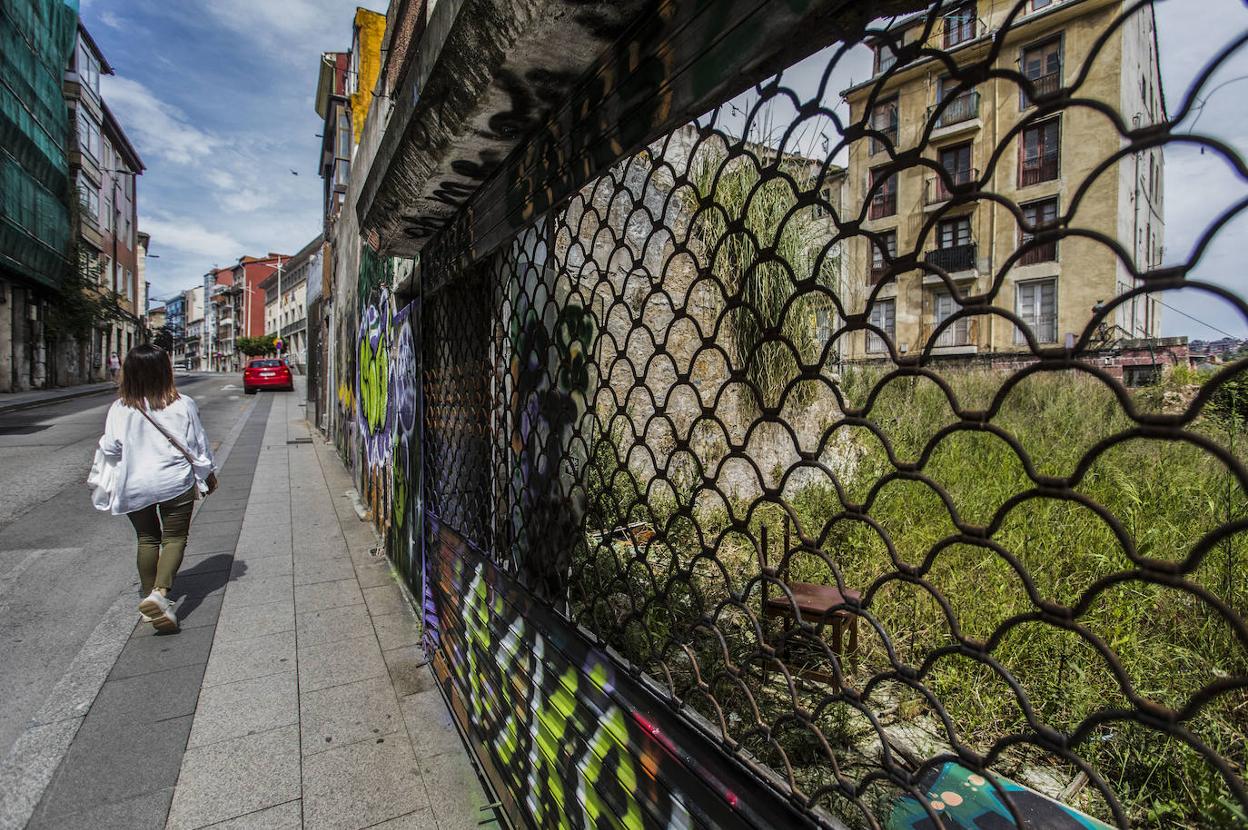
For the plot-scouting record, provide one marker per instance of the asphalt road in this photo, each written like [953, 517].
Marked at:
[62, 563]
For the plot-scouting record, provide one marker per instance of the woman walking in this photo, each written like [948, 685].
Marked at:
[153, 462]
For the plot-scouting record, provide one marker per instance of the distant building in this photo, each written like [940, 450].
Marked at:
[156, 317]
[237, 306]
[286, 316]
[191, 352]
[1052, 286]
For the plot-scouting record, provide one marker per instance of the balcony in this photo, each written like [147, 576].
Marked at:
[1039, 253]
[952, 259]
[889, 133]
[1044, 86]
[877, 273]
[1040, 169]
[936, 191]
[883, 203]
[957, 110]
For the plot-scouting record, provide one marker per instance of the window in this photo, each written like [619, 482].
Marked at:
[1039, 215]
[956, 162]
[88, 68]
[89, 196]
[125, 286]
[884, 317]
[106, 271]
[880, 258]
[884, 118]
[342, 145]
[956, 251]
[955, 232]
[960, 25]
[342, 172]
[88, 135]
[1037, 5]
[1037, 308]
[959, 106]
[1040, 153]
[1145, 375]
[958, 334]
[1042, 66]
[885, 58]
[106, 214]
[883, 200]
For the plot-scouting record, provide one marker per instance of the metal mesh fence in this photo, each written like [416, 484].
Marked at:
[850, 428]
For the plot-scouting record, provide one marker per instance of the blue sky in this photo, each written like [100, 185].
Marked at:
[218, 97]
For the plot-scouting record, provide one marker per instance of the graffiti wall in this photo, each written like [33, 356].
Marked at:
[567, 740]
[377, 424]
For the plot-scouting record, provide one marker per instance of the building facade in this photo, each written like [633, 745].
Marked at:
[40, 39]
[192, 343]
[104, 168]
[929, 233]
[285, 297]
[237, 303]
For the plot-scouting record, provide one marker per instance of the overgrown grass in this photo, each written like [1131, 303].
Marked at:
[759, 247]
[655, 601]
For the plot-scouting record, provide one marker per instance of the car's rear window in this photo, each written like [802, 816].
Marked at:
[265, 364]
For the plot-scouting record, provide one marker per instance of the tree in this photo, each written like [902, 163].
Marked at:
[163, 337]
[82, 303]
[256, 346]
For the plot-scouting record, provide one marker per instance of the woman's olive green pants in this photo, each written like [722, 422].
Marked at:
[162, 530]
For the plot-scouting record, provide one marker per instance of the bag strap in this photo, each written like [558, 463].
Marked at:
[165, 433]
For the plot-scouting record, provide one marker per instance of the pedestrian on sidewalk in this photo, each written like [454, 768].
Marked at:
[153, 462]
[114, 366]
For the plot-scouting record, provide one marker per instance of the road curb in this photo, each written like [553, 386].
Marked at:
[68, 396]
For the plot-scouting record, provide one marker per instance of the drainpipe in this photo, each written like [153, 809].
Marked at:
[992, 210]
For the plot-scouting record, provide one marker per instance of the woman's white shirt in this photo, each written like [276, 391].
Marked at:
[149, 468]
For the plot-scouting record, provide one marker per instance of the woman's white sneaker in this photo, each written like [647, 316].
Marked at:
[158, 610]
[154, 604]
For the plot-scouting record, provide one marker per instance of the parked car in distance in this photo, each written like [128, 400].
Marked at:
[267, 373]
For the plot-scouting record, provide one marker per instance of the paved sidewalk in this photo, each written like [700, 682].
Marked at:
[296, 694]
[317, 709]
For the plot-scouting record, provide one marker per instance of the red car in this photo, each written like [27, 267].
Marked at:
[267, 373]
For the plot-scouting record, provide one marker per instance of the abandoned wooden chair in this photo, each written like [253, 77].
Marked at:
[815, 603]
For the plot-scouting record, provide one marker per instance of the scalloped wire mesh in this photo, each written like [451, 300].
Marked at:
[732, 375]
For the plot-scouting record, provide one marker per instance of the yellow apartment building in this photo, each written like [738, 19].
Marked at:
[1031, 148]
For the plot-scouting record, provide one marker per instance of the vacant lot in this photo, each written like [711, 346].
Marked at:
[1035, 564]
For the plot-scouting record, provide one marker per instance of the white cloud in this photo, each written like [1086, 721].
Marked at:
[158, 129]
[188, 236]
[108, 18]
[325, 22]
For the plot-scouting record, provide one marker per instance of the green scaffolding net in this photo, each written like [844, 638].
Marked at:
[36, 42]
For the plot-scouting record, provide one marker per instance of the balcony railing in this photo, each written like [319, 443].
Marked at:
[883, 203]
[1044, 86]
[878, 272]
[1040, 169]
[952, 259]
[960, 108]
[1039, 252]
[937, 191]
[890, 133]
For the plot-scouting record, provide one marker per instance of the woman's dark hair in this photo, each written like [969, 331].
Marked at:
[147, 378]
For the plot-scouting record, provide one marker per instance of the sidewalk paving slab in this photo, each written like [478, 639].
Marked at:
[316, 666]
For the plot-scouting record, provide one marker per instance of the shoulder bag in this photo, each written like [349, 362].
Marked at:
[211, 481]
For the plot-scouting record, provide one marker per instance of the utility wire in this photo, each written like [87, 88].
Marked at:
[1194, 319]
